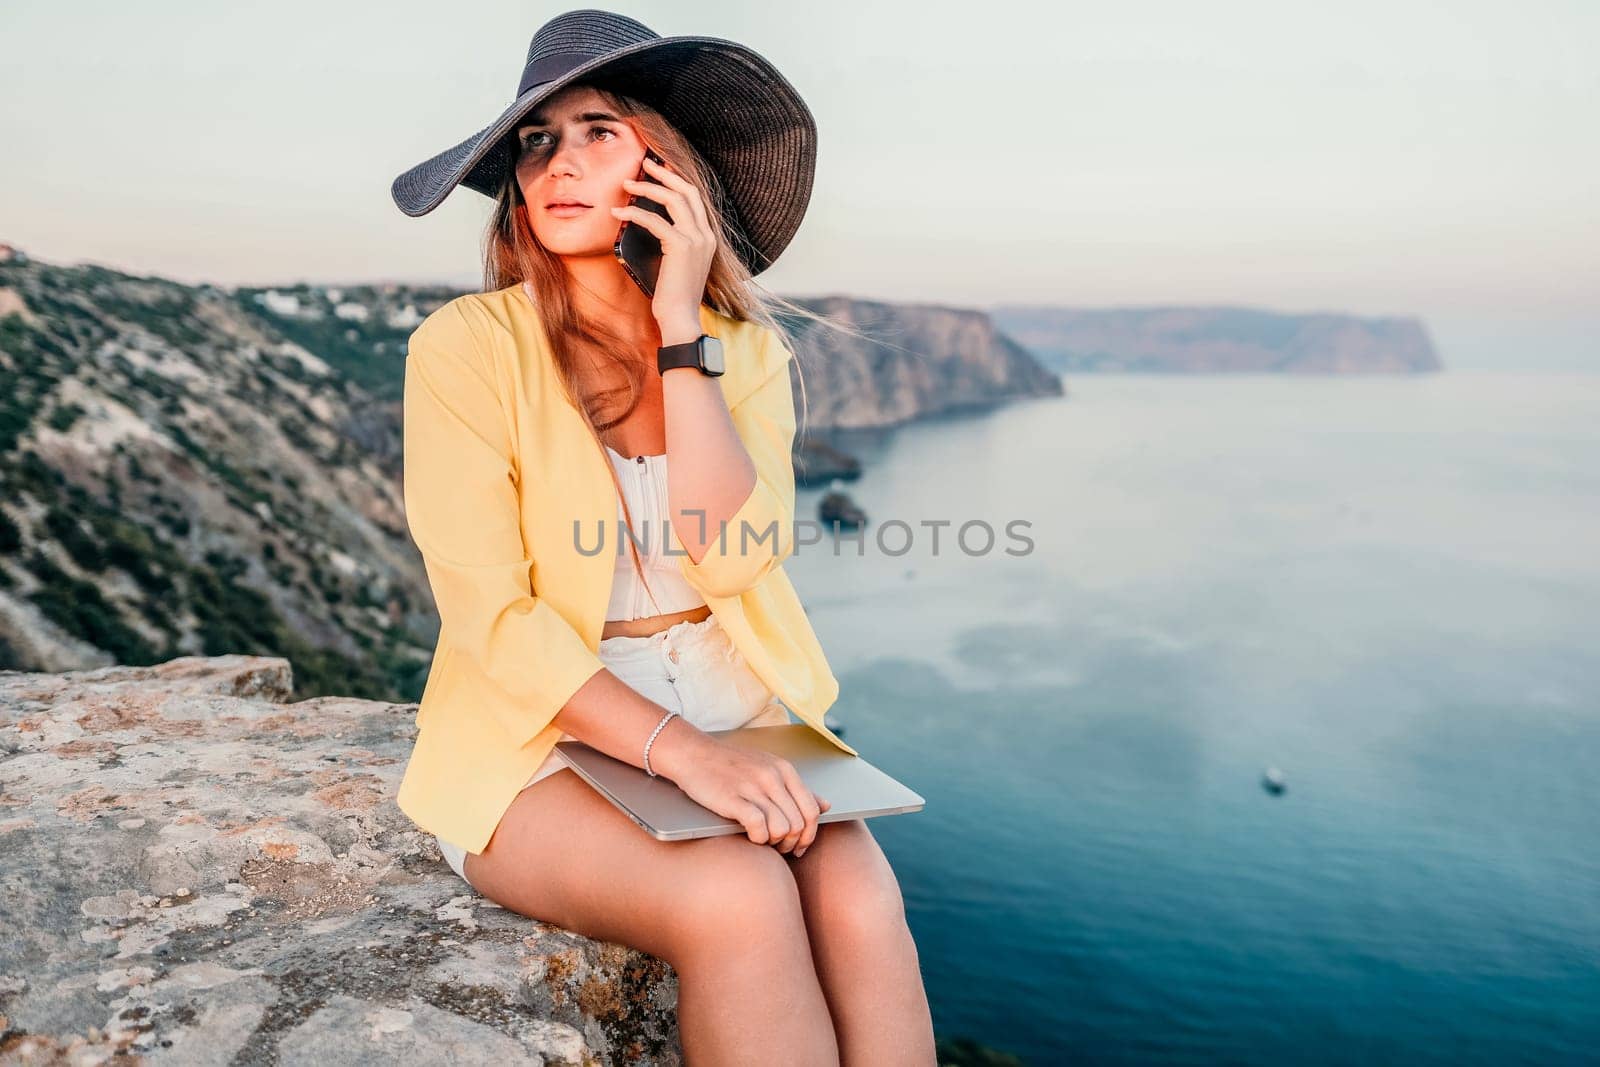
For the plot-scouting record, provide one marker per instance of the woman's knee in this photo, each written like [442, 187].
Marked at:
[867, 911]
[848, 887]
[741, 894]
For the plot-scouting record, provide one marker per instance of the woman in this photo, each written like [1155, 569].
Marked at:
[561, 396]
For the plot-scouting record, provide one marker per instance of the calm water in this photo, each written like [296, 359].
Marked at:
[1389, 588]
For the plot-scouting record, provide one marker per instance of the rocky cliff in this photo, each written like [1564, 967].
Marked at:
[914, 360]
[186, 470]
[1213, 340]
[179, 476]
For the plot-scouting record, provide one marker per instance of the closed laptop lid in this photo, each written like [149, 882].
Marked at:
[853, 787]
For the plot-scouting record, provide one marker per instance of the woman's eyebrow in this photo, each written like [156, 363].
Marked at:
[587, 116]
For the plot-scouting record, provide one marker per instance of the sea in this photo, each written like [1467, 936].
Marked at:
[1086, 628]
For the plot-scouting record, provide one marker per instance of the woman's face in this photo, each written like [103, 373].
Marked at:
[574, 148]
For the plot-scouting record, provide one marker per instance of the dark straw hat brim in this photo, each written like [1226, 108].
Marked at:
[750, 125]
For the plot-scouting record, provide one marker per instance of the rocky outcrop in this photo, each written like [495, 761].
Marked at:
[816, 462]
[196, 871]
[910, 361]
[1214, 340]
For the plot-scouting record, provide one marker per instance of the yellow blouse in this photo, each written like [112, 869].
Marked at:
[505, 490]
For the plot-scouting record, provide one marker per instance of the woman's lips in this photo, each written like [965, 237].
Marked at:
[567, 211]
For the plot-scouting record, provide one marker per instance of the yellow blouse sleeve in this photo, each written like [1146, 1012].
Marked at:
[760, 535]
[461, 504]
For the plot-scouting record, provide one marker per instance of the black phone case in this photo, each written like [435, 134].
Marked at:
[636, 248]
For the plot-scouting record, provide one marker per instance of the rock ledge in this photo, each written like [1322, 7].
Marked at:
[195, 871]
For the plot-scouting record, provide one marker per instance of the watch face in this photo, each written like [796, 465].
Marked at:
[711, 354]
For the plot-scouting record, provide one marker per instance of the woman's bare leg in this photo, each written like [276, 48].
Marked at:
[863, 949]
[724, 912]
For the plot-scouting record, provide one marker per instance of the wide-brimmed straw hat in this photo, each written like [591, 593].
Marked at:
[747, 122]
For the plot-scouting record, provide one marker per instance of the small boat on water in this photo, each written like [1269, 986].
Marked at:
[1273, 781]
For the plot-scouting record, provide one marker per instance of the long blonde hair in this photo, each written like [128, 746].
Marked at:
[513, 255]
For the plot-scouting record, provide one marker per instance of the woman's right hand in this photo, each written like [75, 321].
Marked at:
[760, 791]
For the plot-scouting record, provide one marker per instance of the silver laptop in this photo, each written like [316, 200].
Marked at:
[854, 788]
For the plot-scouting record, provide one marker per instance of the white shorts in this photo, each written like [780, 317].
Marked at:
[691, 668]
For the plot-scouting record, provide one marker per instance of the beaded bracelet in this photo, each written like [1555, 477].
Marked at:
[652, 741]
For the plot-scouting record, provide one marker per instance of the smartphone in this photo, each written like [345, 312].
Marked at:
[637, 248]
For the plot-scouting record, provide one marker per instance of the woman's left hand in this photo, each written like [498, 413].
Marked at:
[687, 246]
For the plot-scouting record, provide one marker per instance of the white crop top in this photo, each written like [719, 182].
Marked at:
[644, 486]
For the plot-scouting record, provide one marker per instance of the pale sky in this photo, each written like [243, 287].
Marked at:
[1435, 159]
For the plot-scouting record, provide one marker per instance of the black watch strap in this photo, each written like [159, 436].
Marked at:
[704, 354]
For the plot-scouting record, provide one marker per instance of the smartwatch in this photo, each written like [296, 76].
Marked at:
[704, 353]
